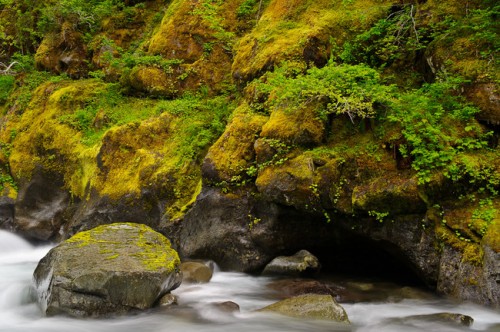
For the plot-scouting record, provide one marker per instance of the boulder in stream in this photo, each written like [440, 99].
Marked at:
[301, 264]
[111, 269]
[311, 306]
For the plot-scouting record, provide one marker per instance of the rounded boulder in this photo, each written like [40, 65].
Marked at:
[111, 269]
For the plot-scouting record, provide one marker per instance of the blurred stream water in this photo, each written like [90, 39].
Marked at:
[18, 312]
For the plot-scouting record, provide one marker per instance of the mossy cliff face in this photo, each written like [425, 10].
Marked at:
[250, 129]
[70, 139]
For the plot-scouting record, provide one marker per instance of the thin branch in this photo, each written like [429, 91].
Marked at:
[258, 12]
[414, 24]
[7, 68]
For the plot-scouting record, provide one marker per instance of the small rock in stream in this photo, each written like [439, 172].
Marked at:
[310, 306]
[303, 263]
[227, 306]
[196, 272]
[293, 287]
[443, 317]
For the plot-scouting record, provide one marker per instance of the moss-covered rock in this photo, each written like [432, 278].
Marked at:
[201, 35]
[301, 127]
[153, 81]
[63, 52]
[389, 195]
[234, 152]
[291, 183]
[110, 269]
[300, 30]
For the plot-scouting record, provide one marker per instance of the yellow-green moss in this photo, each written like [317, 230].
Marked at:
[471, 252]
[152, 80]
[233, 152]
[492, 236]
[285, 27]
[154, 252]
[302, 126]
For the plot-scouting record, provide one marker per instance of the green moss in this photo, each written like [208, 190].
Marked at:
[234, 151]
[285, 29]
[471, 252]
[155, 250]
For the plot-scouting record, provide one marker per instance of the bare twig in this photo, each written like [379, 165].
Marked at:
[414, 24]
[258, 11]
[7, 69]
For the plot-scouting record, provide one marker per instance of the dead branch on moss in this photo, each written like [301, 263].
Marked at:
[7, 69]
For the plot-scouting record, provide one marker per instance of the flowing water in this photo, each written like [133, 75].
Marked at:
[380, 306]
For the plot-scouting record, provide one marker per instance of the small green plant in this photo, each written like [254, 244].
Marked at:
[83, 15]
[423, 115]
[388, 40]
[210, 11]
[253, 221]
[379, 216]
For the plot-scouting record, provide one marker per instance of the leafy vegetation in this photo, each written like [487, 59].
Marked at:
[355, 91]
[389, 39]
[6, 85]
[437, 124]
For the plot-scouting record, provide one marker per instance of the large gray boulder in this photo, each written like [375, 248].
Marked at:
[310, 306]
[111, 269]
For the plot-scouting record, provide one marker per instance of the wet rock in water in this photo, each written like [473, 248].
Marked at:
[301, 264]
[227, 306]
[293, 287]
[443, 317]
[412, 293]
[111, 269]
[168, 300]
[196, 272]
[311, 306]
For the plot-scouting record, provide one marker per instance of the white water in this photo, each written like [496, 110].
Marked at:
[18, 260]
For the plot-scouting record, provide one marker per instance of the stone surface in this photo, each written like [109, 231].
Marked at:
[242, 232]
[167, 300]
[293, 287]
[196, 272]
[111, 269]
[444, 317]
[42, 207]
[310, 306]
[302, 263]
[227, 306]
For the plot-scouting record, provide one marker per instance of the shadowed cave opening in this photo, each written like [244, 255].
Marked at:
[344, 251]
[365, 259]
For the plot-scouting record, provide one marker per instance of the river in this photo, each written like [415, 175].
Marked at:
[195, 311]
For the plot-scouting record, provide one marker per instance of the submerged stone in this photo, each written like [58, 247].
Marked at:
[111, 269]
[311, 306]
[443, 317]
[294, 287]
